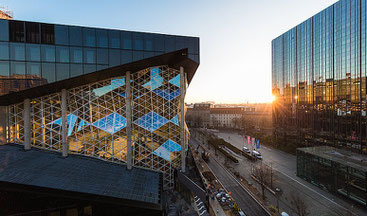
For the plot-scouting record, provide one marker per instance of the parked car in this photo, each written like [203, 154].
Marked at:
[257, 155]
[245, 149]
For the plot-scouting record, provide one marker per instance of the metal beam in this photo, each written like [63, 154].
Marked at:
[64, 126]
[128, 122]
[183, 132]
[27, 124]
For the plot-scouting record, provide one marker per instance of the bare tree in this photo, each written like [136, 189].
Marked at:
[262, 174]
[299, 204]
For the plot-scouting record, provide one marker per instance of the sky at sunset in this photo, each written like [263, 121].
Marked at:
[235, 35]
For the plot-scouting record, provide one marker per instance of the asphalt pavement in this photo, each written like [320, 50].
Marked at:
[242, 197]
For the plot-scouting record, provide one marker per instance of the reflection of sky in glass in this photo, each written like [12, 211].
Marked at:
[71, 120]
[115, 83]
[111, 123]
[166, 94]
[156, 81]
[151, 121]
[176, 80]
[174, 120]
[164, 151]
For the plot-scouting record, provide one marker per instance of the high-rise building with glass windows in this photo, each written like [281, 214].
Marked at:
[319, 79]
[96, 98]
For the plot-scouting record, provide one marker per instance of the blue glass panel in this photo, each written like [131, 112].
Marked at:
[89, 55]
[138, 41]
[4, 51]
[176, 80]
[126, 56]
[166, 94]
[155, 79]
[82, 124]
[71, 120]
[17, 51]
[48, 53]
[75, 36]
[48, 72]
[174, 120]
[138, 55]
[114, 57]
[76, 55]
[76, 70]
[111, 123]
[169, 43]
[126, 40]
[148, 42]
[180, 43]
[4, 33]
[89, 68]
[33, 68]
[171, 146]
[89, 36]
[159, 43]
[102, 56]
[33, 52]
[61, 35]
[115, 83]
[114, 39]
[151, 121]
[4, 68]
[102, 38]
[62, 71]
[17, 68]
[62, 54]
[163, 153]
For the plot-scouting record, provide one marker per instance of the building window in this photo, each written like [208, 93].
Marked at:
[76, 55]
[62, 54]
[32, 32]
[114, 39]
[33, 69]
[48, 72]
[33, 52]
[102, 39]
[75, 36]
[126, 40]
[102, 56]
[61, 35]
[89, 56]
[47, 34]
[18, 68]
[4, 51]
[16, 31]
[48, 53]
[4, 33]
[89, 37]
[62, 71]
[138, 41]
[17, 51]
[4, 68]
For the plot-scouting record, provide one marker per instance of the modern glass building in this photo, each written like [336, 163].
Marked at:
[319, 80]
[113, 95]
[33, 54]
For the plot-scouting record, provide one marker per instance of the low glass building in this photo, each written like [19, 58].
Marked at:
[341, 172]
[113, 95]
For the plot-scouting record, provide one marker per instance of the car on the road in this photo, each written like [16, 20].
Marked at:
[241, 213]
[245, 149]
[257, 155]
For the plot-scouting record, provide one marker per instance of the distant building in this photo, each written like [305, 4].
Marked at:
[199, 115]
[5, 14]
[227, 117]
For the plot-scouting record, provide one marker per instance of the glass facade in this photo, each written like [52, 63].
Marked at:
[96, 119]
[66, 51]
[324, 168]
[319, 80]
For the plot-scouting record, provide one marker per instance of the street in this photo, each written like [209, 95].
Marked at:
[319, 202]
[240, 195]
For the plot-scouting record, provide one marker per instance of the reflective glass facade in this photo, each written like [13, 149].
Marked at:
[96, 120]
[33, 54]
[319, 79]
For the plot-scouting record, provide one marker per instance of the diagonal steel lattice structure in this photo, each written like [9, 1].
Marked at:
[97, 120]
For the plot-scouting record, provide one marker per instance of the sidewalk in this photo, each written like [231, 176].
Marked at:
[216, 207]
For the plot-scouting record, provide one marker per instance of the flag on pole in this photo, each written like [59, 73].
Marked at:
[248, 140]
[258, 144]
[253, 142]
